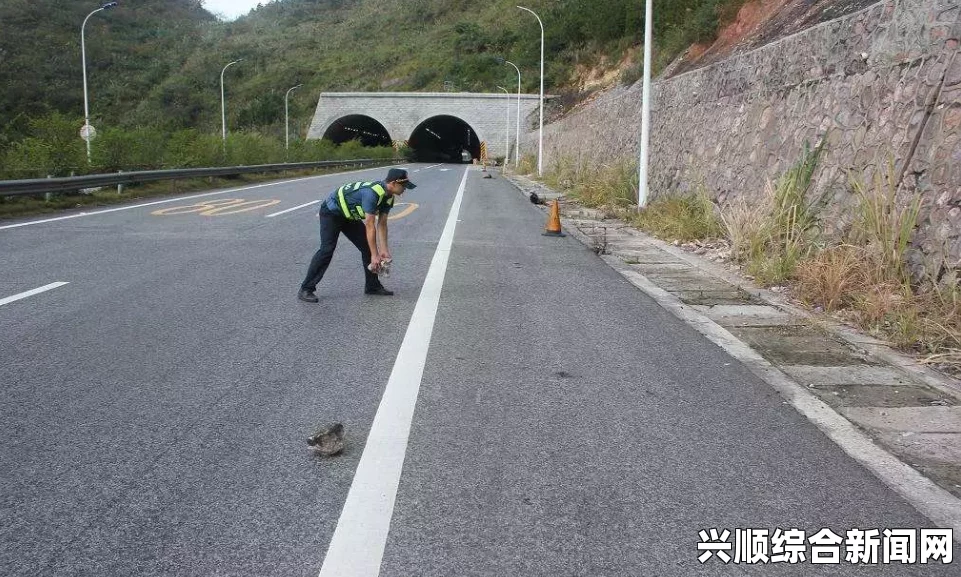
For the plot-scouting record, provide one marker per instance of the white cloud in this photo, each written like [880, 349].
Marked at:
[231, 9]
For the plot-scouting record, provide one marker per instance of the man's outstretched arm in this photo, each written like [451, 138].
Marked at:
[382, 236]
[370, 223]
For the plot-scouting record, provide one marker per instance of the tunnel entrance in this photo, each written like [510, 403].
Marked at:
[444, 139]
[358, 127]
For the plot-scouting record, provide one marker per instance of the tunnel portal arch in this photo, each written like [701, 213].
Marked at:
[444, 138]
[411, 117]
[369, 131]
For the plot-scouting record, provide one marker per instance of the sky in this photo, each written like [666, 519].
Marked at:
[231, 9]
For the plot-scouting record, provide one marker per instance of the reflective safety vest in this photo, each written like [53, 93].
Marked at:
[360, 214]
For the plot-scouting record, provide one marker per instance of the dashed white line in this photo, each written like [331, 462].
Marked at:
[357, 547]
[179, 199]
[305, 205]
[30, 293]
[146, 204]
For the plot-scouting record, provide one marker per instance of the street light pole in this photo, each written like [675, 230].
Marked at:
[83, 56]
[646, 106]
[287, 117]
[223, 106]
[507, 126]
[540, 132]
[517, 125]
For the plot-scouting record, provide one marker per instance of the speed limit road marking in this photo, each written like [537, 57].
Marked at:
[220, 207]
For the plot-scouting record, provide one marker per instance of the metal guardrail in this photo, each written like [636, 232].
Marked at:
[72, 183]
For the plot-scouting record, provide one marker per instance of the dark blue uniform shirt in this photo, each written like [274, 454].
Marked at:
[364, 197]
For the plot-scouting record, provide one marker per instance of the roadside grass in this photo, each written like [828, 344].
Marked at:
[684, 218]
[527, 164]
[610, 187]
[782, 229]
[860, 274]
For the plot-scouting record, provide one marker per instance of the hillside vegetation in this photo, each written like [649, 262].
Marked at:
[154, 67]
[414, 45]
[130, 50]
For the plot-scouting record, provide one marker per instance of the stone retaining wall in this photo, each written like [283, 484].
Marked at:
[882, 85]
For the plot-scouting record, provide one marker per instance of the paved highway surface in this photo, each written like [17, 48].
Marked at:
[154, 410]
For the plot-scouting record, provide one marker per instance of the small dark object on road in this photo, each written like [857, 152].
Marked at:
[328, 441]
[536, 199]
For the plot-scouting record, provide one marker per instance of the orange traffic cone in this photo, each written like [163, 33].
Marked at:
[554, 221]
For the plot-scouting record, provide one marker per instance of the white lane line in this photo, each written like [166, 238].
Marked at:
[357, 547]
[146, 204]
[181, 198]
[30, 293]
[434, 166]
[311, 203]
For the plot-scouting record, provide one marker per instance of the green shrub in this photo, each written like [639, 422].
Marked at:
[136, 149]
[251, 148]
[53, 148]
[193, 149]
[311, 150]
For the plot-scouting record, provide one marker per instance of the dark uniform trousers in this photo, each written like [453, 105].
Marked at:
[331, 225]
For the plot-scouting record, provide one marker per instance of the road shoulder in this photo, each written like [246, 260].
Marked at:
[896, 417]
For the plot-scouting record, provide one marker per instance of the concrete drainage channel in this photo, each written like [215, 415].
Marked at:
[896, 417]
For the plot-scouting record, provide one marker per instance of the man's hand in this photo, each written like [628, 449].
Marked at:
[385, 255]
[375, 263]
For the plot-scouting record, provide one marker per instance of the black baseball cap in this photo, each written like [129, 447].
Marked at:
[399, 174]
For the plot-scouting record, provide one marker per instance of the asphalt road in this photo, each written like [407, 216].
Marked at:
[155, 409]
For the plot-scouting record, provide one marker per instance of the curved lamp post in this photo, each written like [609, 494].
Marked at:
[83, 56]
[517, 126]
[223, 106]
[287, 117]
[540, 132]
[507, 126]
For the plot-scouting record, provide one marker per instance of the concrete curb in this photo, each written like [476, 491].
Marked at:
[874, 348]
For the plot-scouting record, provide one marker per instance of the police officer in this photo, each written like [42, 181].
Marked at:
[359, 210]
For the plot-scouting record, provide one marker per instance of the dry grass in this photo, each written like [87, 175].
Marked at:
[772, 236]
[743, 222]
[610, 186]
[527, 164]
[866, 276]
[927, 321]
[830, 277]
[613, 188]
[935, 331]
[884, 227]
[683, 218]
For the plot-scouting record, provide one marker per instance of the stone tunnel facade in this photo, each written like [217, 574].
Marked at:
[401, 113]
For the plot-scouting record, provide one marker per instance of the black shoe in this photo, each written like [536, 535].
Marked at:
[379, 291]
[307, 296]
